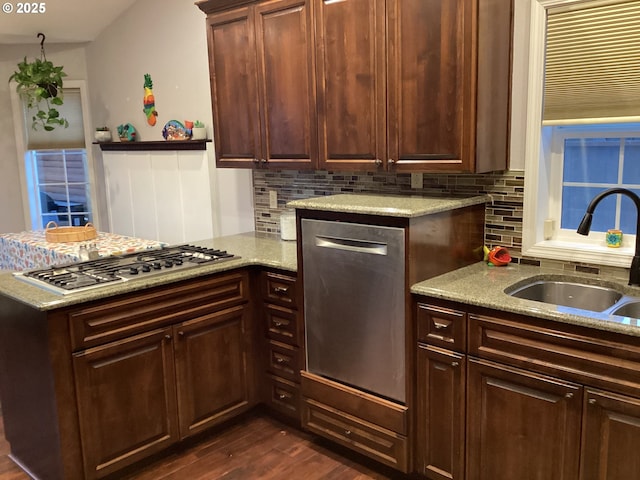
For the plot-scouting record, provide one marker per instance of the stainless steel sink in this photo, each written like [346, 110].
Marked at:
[631, 309]
[570, 294]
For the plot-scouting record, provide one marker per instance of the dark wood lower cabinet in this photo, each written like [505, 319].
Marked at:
[611, 437]
[521, 425]
[212, 369]
[440, 413]
[126, 401]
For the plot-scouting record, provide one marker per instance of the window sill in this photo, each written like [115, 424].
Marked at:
[582, 253]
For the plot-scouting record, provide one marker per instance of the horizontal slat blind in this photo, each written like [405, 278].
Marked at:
[59, 137]
[592, 64]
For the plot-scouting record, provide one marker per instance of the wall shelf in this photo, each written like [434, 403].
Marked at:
[154, 145]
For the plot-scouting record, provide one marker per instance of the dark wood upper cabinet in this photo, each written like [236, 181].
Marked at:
[234, 87]
[286, 83]
[262, 86]
[387, 85]
[350, 40]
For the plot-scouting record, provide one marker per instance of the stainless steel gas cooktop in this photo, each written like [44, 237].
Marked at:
[76, 277]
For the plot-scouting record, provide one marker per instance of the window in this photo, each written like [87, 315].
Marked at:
[583, 134]
[58, 180]
[57, 165]
[589, 160]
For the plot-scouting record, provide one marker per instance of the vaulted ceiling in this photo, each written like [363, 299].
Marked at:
[64, 21]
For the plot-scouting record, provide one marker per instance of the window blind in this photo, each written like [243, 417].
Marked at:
[59, 137]
[592, 63]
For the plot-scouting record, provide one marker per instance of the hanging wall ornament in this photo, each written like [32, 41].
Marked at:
[149, 101]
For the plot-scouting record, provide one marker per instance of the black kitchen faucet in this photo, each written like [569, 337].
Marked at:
[585, 226]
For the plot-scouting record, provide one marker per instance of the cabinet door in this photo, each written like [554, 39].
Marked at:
[286, 71]
[521, 425]
[126, 401]
[441, 413]
[611, 437]
[234, 91]
[212, 369]
[430, 84]
[350, 37]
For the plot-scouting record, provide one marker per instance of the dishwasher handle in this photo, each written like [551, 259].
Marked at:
[351, 245]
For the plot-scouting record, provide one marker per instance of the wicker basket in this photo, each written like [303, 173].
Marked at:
[56, 234]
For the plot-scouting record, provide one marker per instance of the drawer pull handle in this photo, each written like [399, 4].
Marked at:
[455, 364]
[181, 333]
[592, 401]
[282, 396]
[281, 290]
[278, 324]
[347, 432]
[440, 326]
[280, 360]
[569, 395]
[167, 337]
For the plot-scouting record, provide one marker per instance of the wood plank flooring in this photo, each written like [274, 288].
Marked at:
[256, 447]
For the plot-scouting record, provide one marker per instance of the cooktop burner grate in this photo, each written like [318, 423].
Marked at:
[65, 279]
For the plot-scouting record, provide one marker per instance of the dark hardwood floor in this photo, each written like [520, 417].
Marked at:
[255, 447]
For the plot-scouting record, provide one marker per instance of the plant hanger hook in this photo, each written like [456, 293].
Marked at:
[44, 57]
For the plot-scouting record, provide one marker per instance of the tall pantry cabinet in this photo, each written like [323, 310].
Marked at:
[373, 85]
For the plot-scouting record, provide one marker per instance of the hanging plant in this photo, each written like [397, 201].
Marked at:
[40, 85]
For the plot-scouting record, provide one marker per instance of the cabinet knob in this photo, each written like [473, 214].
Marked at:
[455, 364]
[181, 333]
[263, 160]
[167, 337]
[278, 324]
[568, 395]
[592, 401]
[391, 161]
[378, 162]
[256, 160]
[282, 396]
[347, 432]
[280, 360]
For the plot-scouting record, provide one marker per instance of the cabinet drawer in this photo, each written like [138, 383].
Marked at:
[589, 357]
[282, 324]
[284, 360]
[283, 396]
[279, 289]
[371, 440]
[134, 313]
[443, 327]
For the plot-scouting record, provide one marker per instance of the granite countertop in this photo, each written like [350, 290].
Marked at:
[249, 248]
[387, 205]
[484, 286]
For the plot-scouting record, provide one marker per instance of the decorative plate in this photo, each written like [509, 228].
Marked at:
[175, 130]
[127, 132]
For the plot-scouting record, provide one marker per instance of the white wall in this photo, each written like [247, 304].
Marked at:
[13, 198]
[167, 40]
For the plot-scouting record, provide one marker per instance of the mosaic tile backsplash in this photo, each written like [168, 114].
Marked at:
[503, 216]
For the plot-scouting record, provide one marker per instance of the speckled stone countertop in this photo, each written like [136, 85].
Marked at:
[387, 205]
[484, 286]
[249, 248]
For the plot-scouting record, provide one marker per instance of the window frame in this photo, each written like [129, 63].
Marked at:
[31, 216]
[542, 184]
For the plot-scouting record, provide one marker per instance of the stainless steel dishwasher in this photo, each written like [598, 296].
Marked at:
[354, 304]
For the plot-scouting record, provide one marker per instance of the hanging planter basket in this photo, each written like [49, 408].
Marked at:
[39, 83]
